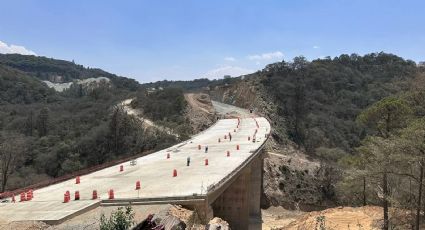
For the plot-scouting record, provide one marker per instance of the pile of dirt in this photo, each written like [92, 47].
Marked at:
[200, 111]
[341, 218]
[277, 217]
[24, 225]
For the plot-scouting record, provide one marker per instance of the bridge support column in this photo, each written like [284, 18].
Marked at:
[256, 187]
[233, 205]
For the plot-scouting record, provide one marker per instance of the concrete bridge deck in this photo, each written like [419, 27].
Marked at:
[155, 172]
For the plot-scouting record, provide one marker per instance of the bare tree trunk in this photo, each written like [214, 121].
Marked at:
[364, 191]
[385, 200]
[5, 171]
[418, 207]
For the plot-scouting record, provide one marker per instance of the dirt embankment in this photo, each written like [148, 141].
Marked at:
[340, 218]
[200, 111]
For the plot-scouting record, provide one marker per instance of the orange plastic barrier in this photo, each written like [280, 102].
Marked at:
[77, 180]
[237, 147]
[29, 195]
[66, 197]
[137, 185]
[174, 173]
[228, 153]
[77, 195]
[111, 194]
[22, 197]
[121, 168]
[94, 195]
[206, 161]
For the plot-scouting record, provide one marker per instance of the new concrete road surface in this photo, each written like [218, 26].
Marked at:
[155, 173]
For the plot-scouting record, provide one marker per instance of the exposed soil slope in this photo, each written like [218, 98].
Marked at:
[200, 111]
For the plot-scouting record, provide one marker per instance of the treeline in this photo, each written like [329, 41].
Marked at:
[200, 84]
[48, 68]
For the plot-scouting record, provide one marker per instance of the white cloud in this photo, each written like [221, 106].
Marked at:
[233, 71]
[316, 47]
[14, 49]
[266, 56]
[230, 59]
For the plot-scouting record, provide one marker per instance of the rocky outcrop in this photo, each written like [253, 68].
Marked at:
[217, 224]
[293, 181]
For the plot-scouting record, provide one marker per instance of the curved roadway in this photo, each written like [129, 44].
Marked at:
[155, 173]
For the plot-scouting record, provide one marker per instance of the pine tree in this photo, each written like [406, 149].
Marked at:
[42, 122]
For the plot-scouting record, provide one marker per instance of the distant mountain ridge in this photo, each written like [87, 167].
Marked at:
[61, 71]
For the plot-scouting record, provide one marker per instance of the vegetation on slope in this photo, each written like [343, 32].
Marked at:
[321, 99]
[166, 107]
[58, 133]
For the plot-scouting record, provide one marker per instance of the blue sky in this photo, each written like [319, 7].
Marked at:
[187, 39]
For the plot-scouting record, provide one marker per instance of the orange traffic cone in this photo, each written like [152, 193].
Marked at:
[206, 162]
[174, 173]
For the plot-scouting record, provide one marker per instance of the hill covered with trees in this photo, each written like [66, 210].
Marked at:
[46, 134]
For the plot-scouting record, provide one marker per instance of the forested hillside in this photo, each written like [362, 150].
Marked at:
[321, 99]
[45, 134]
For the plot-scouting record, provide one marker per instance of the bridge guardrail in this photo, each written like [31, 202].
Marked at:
[85, 171]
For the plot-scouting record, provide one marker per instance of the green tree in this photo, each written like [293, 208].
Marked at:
[413, 144]
[383, 118]
[29, 124]
[12, 148]
[43, 122]
[119, 220]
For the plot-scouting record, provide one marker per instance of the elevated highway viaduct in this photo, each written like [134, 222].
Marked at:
[229, 186]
